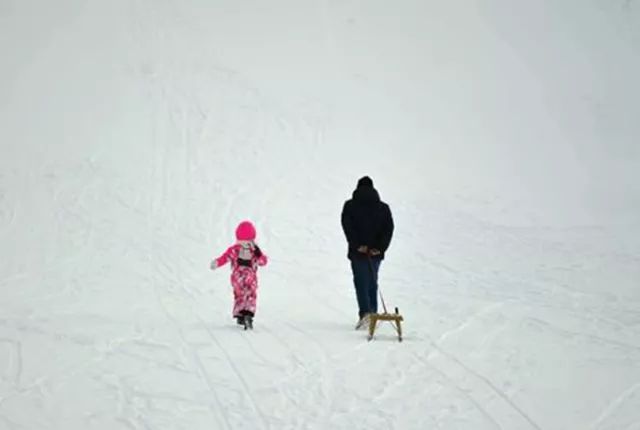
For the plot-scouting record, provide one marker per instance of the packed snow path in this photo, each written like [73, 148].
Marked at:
[135, 135]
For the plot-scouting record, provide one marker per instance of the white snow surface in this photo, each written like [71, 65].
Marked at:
[136, 134]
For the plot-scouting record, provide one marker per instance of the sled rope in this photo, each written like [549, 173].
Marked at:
[394, 319]
[375, 277]
[384, 306]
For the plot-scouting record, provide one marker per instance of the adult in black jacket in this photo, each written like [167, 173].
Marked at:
[368, 226]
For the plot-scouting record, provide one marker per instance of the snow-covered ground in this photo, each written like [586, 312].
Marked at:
[134, 135]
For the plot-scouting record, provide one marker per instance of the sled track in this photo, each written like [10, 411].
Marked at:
[243, 382]
[220, 416]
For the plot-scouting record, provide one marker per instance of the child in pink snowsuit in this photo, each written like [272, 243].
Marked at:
[245, 257]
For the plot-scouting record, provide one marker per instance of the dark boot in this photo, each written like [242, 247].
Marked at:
[247, 319]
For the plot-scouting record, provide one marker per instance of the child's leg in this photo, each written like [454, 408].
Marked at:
[238, 294]
[251, 293]
[245, 285]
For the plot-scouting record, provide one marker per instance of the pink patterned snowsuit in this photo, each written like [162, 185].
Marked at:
[244, 279]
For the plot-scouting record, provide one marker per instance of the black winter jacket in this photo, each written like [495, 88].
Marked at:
[366, 220]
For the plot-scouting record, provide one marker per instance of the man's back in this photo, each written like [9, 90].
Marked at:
[367, 221]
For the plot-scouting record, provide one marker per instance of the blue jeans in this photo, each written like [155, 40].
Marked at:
[365, 279]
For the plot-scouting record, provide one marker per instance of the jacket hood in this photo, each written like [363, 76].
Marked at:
[366, 195]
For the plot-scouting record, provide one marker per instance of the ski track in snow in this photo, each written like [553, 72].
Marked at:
[484, 380]
[616, 403]
[116, 322]
[218, 408]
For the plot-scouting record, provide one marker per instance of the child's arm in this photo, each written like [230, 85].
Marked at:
[222, 260]
[261, 259]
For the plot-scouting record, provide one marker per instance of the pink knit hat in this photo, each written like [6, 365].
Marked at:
[245, 231]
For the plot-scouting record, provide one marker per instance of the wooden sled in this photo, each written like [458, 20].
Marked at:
[395, 319]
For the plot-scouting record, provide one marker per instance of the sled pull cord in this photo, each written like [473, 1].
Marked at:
[375, 277]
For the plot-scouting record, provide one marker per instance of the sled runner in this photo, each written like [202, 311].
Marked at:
[394, 318]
